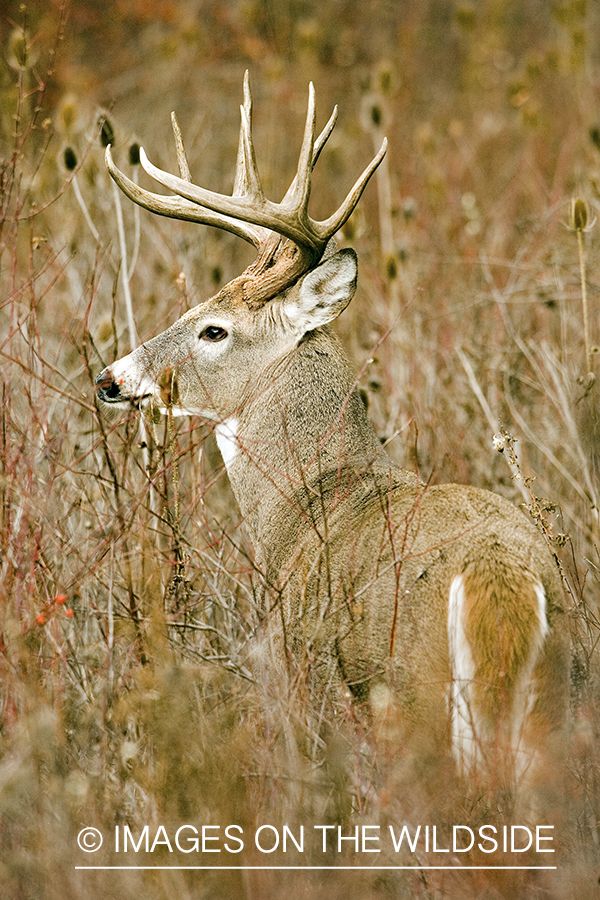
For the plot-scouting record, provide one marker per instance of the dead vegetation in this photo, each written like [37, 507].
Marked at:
[132, 686]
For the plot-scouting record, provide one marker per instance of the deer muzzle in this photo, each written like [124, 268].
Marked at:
[108, 389]
[114, 387]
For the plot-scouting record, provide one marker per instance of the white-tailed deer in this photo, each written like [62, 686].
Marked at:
[437, 606]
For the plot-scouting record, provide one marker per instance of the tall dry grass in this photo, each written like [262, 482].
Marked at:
[132, 682]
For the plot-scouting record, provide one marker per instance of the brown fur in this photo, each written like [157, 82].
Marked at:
[358, 559]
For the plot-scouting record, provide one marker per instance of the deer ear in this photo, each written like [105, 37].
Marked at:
[324, 292]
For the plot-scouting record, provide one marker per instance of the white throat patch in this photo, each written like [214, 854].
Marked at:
[226, 435]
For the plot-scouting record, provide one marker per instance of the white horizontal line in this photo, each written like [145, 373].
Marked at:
[320, 868]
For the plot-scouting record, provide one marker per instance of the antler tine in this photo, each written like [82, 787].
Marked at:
[324, 136]
[240, 185]
[184, 169]
[328, 228]
[302, 182]
[318, 146]
[253, 190]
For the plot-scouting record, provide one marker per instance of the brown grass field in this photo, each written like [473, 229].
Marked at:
[128, 609]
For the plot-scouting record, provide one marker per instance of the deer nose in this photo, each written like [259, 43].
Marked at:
[107, 387]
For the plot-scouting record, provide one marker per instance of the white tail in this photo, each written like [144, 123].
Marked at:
[443, 599]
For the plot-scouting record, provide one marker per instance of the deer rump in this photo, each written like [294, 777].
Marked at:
[438, 608]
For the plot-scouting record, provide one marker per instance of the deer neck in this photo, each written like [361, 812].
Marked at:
[300, 434]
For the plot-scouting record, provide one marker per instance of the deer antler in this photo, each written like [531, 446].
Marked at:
[247, 212]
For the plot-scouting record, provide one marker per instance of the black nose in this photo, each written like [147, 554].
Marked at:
[108, 389]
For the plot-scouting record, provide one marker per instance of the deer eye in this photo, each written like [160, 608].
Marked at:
[213, 333]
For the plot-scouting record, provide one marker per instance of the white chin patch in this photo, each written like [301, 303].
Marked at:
[176, 411]
[226, 435]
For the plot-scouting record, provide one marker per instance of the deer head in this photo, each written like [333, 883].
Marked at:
[297, 282]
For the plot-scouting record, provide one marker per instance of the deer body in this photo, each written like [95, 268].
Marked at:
[439, 606]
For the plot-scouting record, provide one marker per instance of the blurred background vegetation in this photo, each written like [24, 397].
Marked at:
[128, 689]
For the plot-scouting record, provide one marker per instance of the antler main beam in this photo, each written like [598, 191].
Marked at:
[247, 212]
